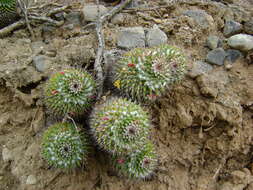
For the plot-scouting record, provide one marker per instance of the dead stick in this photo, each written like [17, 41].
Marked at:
[23, 7]
[46, 19]
[57, 10]
[99, 57]
[7, 30]
[117, 9]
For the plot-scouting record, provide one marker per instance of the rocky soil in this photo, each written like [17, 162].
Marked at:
[203, 127]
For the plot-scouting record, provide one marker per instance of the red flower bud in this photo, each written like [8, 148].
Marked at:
[120, 161]
[54, 92]
[131, 65]
[105, 118]
[62, 72]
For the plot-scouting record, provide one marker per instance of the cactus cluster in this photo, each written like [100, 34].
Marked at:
[120, 126]
[70, 91]
[8, 12]
[144, 74]
[64, 146]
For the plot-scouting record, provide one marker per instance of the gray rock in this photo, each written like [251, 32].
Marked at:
[7, 155]
[90, 12]
[199, 68]
[155, 37]
[131, 37]
[248, 27]
[201, 17]
[31, 180]
[216, 56]
[243, 42]
[41, 63]
[74, 18]
[118, 18]
[231, 27]
[213, 42]
[233, 55]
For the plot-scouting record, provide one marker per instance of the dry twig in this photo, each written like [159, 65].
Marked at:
[99, 57]
[101, 44]
[6, 30]
[30, 14]
[23, 7]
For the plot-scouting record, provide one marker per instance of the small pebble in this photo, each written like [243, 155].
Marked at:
[216, 56]
[31, 180]
[90, 12]
[199, 68]
[233, 55]
[131, 37]
[155, 37]
[231, 27]
[213, 42]
[243, 42]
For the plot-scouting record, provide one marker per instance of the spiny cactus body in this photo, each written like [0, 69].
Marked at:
[145, 74]
[139, 164]
[120, 126]
[64, 146]
[8, 12]
[70, 91]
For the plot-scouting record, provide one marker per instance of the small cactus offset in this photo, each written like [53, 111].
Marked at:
[70, 91]
[120, 126]
[8, 12]
[145, 74]
[64, 146]
[139, 164]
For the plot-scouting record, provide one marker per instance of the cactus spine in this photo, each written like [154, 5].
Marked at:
[145, 74]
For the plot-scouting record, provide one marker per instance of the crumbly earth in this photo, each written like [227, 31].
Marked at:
[203, 127]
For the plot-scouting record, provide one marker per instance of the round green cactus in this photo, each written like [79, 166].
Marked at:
[8, 12]
[120, 126]
[139, 164]
[70, 91]
[64, 146]
[145, 74]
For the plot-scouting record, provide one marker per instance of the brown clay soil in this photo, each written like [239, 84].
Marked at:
[203, 127]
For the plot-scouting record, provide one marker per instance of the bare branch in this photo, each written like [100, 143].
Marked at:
[99, 57]
[57, 10]
[101, 44]
[23, 7]
[46, 19]
[8, 29]
[115, 10]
